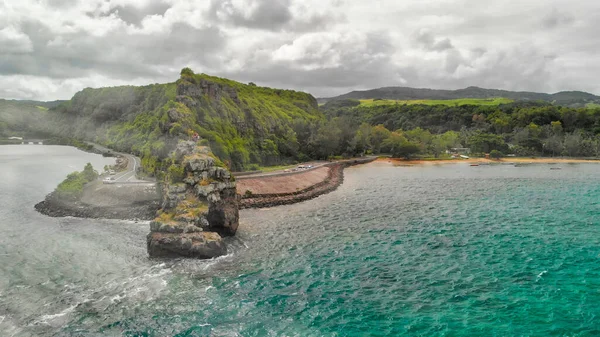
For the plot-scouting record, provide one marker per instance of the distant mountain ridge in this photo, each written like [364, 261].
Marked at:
[570, 98]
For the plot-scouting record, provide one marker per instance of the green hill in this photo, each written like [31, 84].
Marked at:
[448, 102]
[565, 98]
[246, 125]
[21, 118]
[243, 123]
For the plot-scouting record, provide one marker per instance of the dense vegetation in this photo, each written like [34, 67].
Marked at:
[72, 187]
[243, 124]
[247, 125]
[564, 98]
[522, 128]
[21, 118]
[449, 102]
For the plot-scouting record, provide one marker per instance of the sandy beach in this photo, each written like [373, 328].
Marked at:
[519, 160]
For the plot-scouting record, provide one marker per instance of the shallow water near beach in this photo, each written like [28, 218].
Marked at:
[440, 250]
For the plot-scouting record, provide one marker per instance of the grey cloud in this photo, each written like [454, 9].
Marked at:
[321, 82]
[21, 93]
[367, 65]
[556, 19]
[61, 3]
[134, 15]
[325, 47]
[478, 52]
[453, 60]
[117, 55]
[426, 40]
[519, 68]
[271, 15]
[14, 41]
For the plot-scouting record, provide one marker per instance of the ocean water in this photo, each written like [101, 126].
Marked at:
[448, 250]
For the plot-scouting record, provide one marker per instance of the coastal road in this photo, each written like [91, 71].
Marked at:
[129, 175]
[133, 162]
[282, 171]
[125, 190]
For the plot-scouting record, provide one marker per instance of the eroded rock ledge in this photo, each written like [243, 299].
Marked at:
[199, 206]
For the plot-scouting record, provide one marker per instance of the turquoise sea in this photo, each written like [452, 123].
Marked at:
[440, 250]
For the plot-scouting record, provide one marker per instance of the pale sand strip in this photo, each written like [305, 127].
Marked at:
[519, 160]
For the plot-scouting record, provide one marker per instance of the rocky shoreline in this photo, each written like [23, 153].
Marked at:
[55, 207]
[199, 206]
[335, 178]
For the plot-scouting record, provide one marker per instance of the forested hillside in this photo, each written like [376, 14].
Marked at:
[246, 125]
[565, 98]
[21, 118]
[525, 129]
[243, 123]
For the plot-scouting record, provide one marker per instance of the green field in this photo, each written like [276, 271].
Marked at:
[450, 102]
[592, 105]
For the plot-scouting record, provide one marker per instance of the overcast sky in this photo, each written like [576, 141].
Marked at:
[50, 49]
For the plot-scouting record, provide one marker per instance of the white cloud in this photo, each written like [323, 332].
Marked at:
[48, 89]
[14, 41]
[52, 48]
[316, 50]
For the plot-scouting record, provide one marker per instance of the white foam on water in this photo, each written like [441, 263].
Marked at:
[194, 265]
[143, 287]
[47, 319]
[209, 263]
[540, 275]
[8, 328]
[117, 298]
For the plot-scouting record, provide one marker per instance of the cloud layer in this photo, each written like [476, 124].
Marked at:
[49, 49]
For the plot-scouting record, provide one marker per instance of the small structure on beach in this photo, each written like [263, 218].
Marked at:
[459, 150]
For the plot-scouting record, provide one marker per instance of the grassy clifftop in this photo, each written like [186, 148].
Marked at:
[448, 102]
[243, 123]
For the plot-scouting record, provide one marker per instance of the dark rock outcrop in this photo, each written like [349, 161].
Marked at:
[197, 209]
[223, 214]
[203, 245]
[210, 89]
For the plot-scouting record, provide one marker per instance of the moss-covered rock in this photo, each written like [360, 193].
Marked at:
[203, 245]
[206, 201]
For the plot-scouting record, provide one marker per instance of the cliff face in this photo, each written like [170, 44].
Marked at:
[242, 123]
[199, 206]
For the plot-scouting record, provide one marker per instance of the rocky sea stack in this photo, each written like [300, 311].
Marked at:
[199, 206]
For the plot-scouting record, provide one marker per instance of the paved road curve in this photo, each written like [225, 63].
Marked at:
[133, 162]
[130, 174]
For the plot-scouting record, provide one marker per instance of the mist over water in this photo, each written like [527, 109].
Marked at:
[446, 250]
